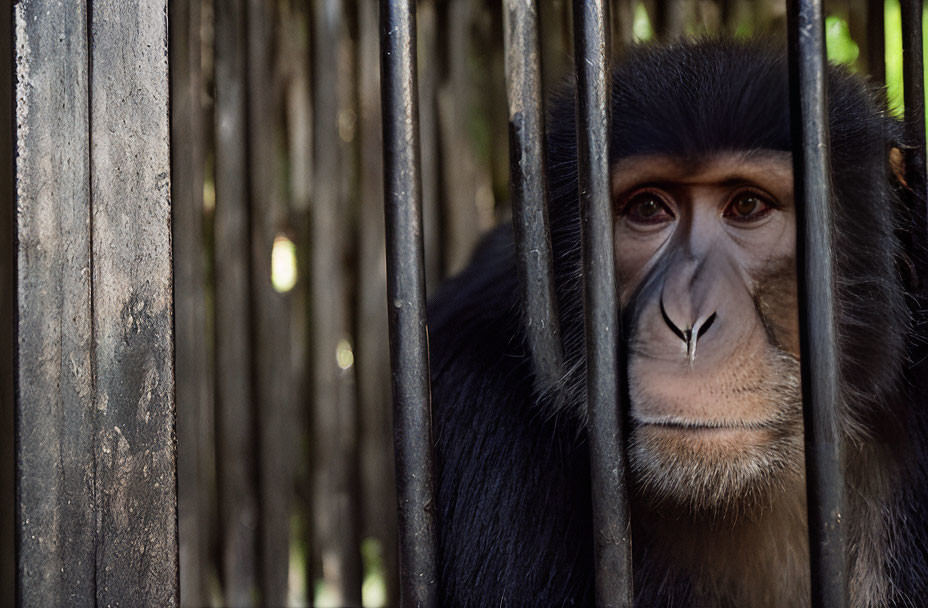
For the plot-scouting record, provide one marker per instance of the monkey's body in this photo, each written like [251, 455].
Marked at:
[512, 467]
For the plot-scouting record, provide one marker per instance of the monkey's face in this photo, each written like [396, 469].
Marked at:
[705, 255]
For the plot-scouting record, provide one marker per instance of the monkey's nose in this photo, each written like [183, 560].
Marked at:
[691, 334]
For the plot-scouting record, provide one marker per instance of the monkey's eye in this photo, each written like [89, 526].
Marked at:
[647, 208]
[748, 206]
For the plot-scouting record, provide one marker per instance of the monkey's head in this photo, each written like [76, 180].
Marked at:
[705, 245]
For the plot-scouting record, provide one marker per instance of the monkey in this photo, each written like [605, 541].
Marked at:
[704, 217]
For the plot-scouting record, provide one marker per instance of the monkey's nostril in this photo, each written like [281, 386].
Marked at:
[676, 330]
[705, 326]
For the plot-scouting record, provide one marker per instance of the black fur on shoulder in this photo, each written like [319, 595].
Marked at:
[513, 480]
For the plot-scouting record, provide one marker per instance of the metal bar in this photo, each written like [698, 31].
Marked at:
[815, 264]
[914, 126]
[605, 366]
[406, 303]
[876, 40]
[529, 188]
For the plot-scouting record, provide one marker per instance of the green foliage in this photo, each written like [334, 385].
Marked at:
[841, 47]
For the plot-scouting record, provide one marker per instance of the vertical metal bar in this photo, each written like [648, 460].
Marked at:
[406, 302]
[914, 90]
[528, 184]
[876, 40]
[815, 251]
[605, 367]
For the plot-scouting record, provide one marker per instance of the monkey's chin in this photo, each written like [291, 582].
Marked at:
[721, 471]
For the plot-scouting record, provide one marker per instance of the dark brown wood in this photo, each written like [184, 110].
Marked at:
[294, 64]
[7, 554]
[193, 369]
[235, 422]
[270, 312]
[132, 321]
[55, 417]
[372, 355]
[334, 403]
[96, 502]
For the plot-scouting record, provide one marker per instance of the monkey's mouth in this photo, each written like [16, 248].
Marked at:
[733, 434]
[679, 423]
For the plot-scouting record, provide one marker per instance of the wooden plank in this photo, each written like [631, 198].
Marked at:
[270, 309]
[372, 352]
[193, 379]
[293, 60]
[7, 553]
[335, 406]
[134, 486]
[236, 452]
[55, 502]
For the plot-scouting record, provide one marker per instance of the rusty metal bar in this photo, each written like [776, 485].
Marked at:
[529, 188]
[406, 302]
[605, 368]
[817, 324]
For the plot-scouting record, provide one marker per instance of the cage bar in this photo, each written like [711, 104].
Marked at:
[529, 188]
[406, 301]
[818, 339]
[605, 364]
[914, 126]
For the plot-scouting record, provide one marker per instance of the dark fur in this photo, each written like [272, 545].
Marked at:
[513, 479]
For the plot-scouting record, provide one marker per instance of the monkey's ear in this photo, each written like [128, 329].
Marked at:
[897, 164]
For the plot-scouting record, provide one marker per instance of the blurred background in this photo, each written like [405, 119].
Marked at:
[285, 464]
[284, 408]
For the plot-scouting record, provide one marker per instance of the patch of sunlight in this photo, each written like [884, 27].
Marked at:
[325, 595]
[641, 28]
[374, 589]
[283, 264]
[296, 576]
[209, 195]
[344, 355]
[841, 47]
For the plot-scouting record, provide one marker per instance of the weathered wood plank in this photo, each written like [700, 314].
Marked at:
[193, 371]
[55, 503]
[132, 357]
[270, 312]
[236, 457]
[7, 554]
